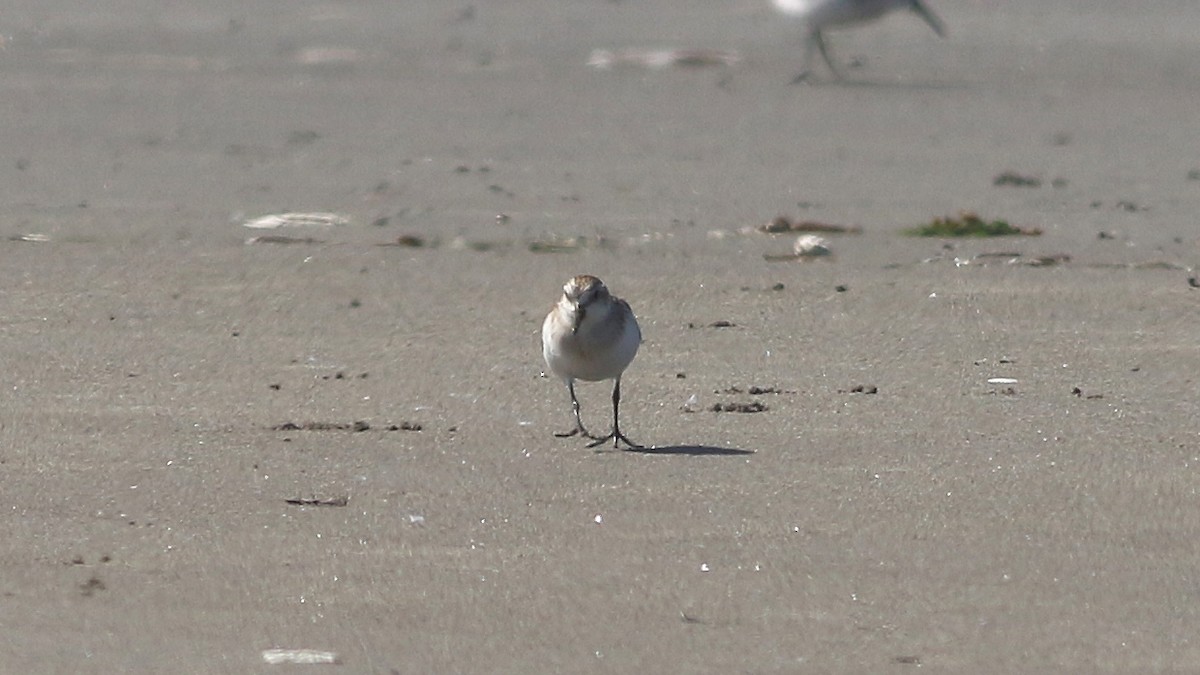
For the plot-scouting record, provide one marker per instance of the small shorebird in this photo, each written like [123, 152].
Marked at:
[591, 335]
[821, 14]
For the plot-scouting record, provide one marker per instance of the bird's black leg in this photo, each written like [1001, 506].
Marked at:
[616, 434]
[825, 54]
[810, 45]
[579, 428]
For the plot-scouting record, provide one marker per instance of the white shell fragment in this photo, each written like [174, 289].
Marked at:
[691, 404]
[810, 246]
[30, 236]
[296, 220]
[1002, 380]
[301, 656]
[604, 59]
[280, 239]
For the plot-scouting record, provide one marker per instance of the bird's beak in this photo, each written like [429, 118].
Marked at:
[930, 18]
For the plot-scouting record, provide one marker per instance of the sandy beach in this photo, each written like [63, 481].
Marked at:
[965, 455]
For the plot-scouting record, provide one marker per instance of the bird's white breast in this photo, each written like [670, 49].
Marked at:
[822, 13]
[794, 7]
[601, 349]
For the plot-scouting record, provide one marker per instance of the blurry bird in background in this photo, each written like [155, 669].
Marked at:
[821, 14]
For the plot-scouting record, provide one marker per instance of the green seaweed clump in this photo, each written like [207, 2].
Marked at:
[968, 224]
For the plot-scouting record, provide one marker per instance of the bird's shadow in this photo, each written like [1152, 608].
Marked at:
[693, 450]
[912, 85]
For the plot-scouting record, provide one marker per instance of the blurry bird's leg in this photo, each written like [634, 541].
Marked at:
[826, 54]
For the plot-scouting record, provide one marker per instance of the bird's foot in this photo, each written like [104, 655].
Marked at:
[804, 77]
[617, 438]
[580, 431]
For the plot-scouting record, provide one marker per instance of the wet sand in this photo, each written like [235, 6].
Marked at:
[158, 366]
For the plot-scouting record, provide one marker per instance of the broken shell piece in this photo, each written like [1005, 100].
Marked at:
[301, 656]
[1002, 380]
[295, 220]
[30, 236]
[810, 246]
[604, 59]
[691, 404]
[281, 239]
